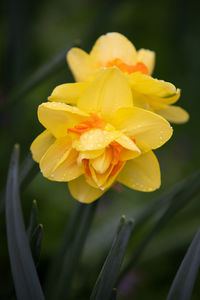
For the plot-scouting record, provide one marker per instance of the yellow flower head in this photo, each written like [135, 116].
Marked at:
[115, 50]
[102, 139]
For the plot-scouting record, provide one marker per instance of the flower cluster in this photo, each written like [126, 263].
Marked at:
[103, 128]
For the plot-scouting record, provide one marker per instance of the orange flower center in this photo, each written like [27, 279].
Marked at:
[116, 163]
[84, 126]
[85, 163]
[138, 67]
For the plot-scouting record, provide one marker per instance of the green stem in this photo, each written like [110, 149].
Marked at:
[67, 259]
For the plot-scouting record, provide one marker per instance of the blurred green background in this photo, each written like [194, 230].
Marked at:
[32, 33]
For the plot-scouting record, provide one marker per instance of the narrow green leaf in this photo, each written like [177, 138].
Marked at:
[105, 283]
[182, 286]
[114, 294]
[33, 221]
[24, 274]
[34, 233]
[28, 170]
[181, 195]
[71, 251]
[36, 243]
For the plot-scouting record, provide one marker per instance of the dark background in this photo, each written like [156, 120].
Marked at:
[32, 33]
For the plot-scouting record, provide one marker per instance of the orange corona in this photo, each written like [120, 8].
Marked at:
[115, 147]
[138, 67]
[84, 126]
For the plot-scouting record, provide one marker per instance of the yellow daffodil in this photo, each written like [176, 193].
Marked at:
[115, 50]
[102, 139]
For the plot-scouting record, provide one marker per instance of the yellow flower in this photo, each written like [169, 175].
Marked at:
[101, 140]
[115, 50]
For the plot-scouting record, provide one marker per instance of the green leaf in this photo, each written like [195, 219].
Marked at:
[182, 286]
[114, 294]
[28, 170]
[173, 201]
[34, 233]
[33, 221]
[69, 255]
[24, 274]
[106, 281]
[36, 243]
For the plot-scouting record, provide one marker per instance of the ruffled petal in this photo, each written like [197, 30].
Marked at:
[150, 86]
[101, 163]
[80, 63]
[174, 114]
[95, 139]
[59, 163]
[108, 91]
[112, 178]
[55, 155]
[103, 181]
[89, 154]
[148, 129]
[82, 191]
[113, 45]
[99, 180]
[128, 154]
[41, 144]
[58, 117]
[68, 92]
[141, 173]
[148, 58]
[153, 103]
[127, 143]
[68, 169]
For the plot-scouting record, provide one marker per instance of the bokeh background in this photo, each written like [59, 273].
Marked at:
[33, 33]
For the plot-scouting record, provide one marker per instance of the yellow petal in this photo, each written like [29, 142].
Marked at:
[99, 180]
[68, 92]
[68, 169]
[127, 143]
[108, 91]
[60, 162]
[95, 139]
[82, 191]
[102, 162]
[58, 117]
[148, 58]
[172, 99]
[147, 85]
[128, 154]
[102, 181]
[41, 144]
[113, 45]
[149, 129]
[89, 154]
[141, 173]
[157, 103]
[153, 103]
[55, 155]
[111, 179]
[174, 114]
[80, 63]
